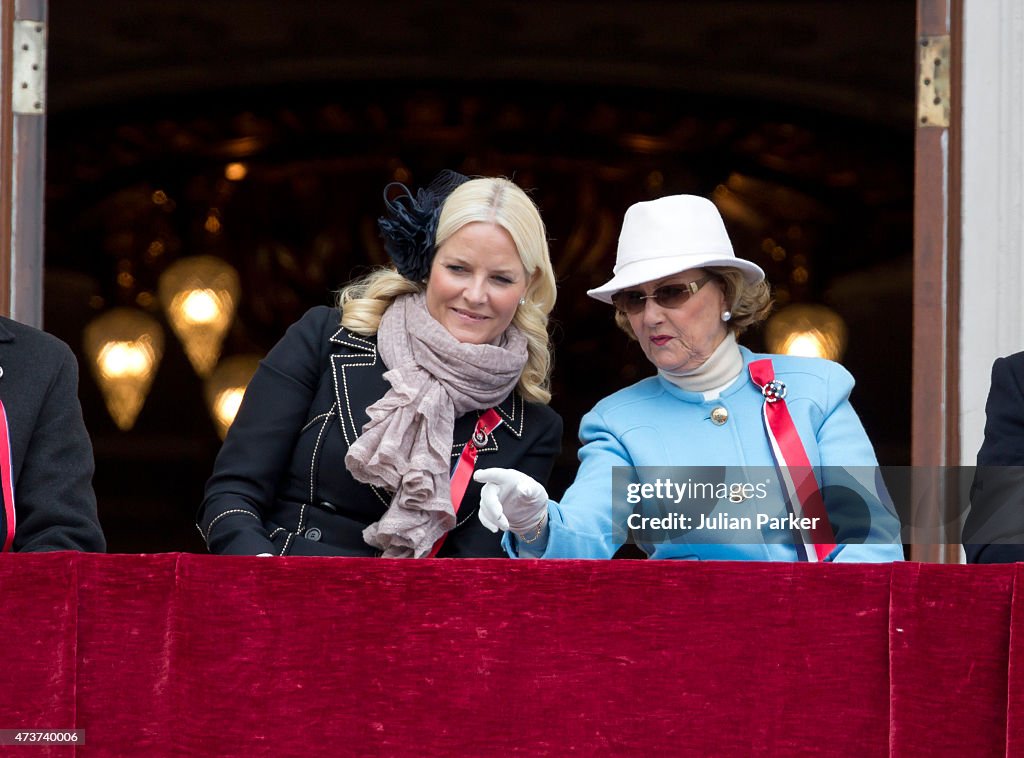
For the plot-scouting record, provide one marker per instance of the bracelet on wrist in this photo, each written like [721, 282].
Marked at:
[536, 532]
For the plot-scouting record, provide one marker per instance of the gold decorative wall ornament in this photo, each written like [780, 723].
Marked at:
[124, 347]
[805, 329]
[199, 295]
[226, 386]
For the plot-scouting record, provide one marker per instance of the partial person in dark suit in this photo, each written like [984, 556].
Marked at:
[360, 429]
[994, 530]
[46, 462]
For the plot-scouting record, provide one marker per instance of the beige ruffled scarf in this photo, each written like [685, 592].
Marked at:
[406, 445]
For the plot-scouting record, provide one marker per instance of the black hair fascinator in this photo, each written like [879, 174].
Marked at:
[409, 223]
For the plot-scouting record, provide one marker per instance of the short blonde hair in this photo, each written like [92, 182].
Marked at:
[750, 304]
[493, 201]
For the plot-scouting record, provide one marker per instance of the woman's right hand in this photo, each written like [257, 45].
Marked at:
[511, 500]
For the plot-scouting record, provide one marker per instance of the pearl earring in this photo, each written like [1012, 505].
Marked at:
[726, 315]
[522, 301]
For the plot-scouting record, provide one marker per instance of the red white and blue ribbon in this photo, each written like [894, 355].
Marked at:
[6, 481]
[463, 471]
[795, 471]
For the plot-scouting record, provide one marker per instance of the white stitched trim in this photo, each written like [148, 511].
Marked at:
[337, 399]
[460, 523]
[316, 418]
[209, 529]
[377, 491]
[298, 529]
[274, 533]
[316, 450]
[360, 343]
[343, 387]
[492, 448]
[354, 340]
[518, 415]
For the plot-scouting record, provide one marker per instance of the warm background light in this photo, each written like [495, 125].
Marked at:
[117, 360]
[198, 307]
[227, 403]
[809, 330]
[807, 344]
[124, 347]
[199, 295]
[226, 387]
[235, 171]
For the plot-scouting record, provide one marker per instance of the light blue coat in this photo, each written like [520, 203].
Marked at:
[655, 423]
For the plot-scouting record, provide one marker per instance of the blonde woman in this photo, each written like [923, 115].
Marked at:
[359, 433]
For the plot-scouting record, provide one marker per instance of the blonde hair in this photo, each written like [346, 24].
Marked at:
[493, 201]
[749, 303]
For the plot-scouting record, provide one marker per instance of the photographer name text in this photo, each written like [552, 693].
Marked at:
[722, 522]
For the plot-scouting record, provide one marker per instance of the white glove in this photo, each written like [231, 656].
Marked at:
[511, 500]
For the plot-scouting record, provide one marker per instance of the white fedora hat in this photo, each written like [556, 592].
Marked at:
[668, 235]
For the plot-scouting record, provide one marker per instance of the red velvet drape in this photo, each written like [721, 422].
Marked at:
[200, 655]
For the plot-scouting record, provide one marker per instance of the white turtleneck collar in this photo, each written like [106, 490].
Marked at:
[715, 374]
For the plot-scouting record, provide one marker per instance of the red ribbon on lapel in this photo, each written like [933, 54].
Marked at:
[795, 469]
[6, 480]
[463, 472]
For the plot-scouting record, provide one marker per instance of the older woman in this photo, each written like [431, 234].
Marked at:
[778, 466]
[360, 430]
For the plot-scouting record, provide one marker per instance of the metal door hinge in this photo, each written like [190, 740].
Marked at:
[29, 80]
[933, 81]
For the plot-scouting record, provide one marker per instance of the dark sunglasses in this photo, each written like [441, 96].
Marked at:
[669, 296]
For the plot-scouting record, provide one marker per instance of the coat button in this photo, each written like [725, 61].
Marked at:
[313, 534]
[719, 415]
